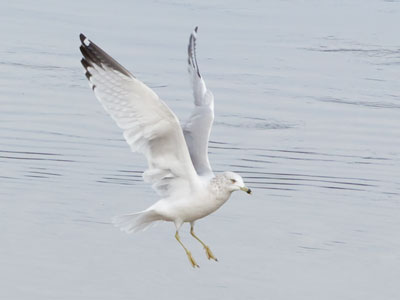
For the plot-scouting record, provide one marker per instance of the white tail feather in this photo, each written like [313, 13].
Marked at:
[134, 222]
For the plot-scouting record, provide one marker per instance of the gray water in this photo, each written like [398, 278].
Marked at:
[307, 110]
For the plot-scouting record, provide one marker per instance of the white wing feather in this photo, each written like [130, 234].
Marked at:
[198, 127]
[149, 126]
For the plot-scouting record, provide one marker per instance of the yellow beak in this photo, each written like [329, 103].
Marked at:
[246, 189]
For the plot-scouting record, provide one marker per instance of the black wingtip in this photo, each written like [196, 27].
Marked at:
[88, 75]
[85, 63]
[192, 60]
[82, 37]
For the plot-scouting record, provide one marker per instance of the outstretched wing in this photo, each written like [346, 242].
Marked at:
[197, 129]
[149, 126]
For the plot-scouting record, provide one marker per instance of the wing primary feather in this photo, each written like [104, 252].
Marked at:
[95, 54]
[91, 59]
[85, 63]
[88, 75]
[192, 60]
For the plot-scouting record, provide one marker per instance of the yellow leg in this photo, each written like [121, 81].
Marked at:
[208, 250]
[189, 255]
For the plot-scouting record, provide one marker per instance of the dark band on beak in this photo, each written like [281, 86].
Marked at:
[246, 189]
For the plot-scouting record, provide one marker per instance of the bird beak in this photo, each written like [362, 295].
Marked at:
[246, 189]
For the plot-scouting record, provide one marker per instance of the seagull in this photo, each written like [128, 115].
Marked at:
[177, 156]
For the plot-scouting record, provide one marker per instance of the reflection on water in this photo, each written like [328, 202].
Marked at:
[307, 114]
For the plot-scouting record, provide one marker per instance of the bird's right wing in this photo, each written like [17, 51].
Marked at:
[149, 126]
[197, 129]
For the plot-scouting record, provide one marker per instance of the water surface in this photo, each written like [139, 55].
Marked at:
[307, 111]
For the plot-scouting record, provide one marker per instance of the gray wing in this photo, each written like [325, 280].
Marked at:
[197, 129]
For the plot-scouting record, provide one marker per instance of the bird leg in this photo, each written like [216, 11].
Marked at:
[208, 250]
[189, 255]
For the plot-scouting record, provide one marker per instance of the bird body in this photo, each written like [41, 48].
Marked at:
[177, 156]
[210, 196]
[205, 201]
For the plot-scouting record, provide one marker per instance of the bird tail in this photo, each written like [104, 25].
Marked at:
[135, 222]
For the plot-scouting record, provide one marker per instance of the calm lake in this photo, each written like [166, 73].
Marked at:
[307, 110]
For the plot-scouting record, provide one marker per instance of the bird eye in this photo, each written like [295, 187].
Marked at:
[233, 180]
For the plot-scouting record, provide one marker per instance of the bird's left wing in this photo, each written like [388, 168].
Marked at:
[149, 126]
[197, 129]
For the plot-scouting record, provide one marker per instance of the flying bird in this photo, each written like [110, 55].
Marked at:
[178, 166]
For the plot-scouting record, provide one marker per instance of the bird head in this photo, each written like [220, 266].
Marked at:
[235, 182]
